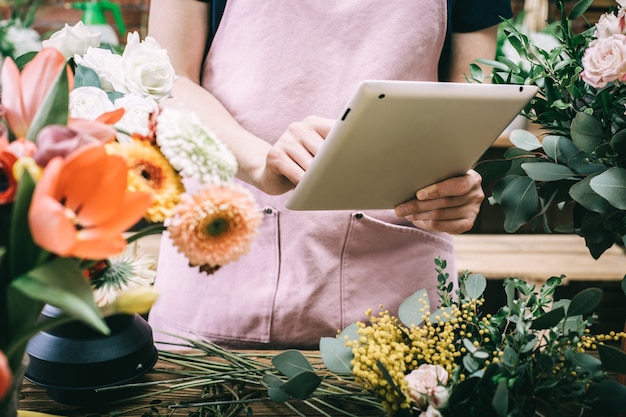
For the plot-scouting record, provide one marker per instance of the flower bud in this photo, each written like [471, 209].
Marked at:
[137, 300]
[5, 376]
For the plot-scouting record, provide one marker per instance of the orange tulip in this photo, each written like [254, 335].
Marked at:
[5, 376]
[81, 207]
[8, 183]
[23, 94]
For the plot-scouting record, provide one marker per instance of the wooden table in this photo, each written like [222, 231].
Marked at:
[34, 400]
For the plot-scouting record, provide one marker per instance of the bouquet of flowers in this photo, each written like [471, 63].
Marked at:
[579, 162]
[86, 153]
[532, 357]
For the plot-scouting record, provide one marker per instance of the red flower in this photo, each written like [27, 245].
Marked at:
[5, 376]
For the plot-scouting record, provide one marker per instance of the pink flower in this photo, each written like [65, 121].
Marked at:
[423, 381]
[605, 61]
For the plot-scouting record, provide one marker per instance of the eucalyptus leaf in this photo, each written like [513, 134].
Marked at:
[336, 354]
[277, 394]
[291, 362]
[585, 302]
[475, 285]
[547, 171]
[525, 140]
[559, 148]
[520, 202]
[611, 185]
[302, 385]
[413, 308]
[86, 77]
[587, 132]
[584, 195]
[587, 362]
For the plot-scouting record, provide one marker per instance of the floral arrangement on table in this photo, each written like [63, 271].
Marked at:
[579, 162]
[87, 151]
[535, 356]
[17, 37]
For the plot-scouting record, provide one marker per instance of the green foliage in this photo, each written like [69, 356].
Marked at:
[581, 160]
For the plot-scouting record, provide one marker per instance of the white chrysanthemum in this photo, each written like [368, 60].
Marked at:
[128, 270]
[192, 149]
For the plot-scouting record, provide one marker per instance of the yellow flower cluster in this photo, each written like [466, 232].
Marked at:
[383, 343]
[591, 342]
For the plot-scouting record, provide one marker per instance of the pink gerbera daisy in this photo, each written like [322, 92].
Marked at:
[215, 226]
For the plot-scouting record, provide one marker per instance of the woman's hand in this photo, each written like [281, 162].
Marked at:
[449, 206]
[291, 155]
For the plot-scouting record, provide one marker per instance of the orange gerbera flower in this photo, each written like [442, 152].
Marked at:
[216, 225]
[80, 206]
[23, 94]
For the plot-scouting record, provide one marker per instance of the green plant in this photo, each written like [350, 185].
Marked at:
[579, 161]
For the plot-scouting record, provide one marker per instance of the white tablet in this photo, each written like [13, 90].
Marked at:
[395, 137]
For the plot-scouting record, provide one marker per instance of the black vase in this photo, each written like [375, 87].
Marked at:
[73, 361]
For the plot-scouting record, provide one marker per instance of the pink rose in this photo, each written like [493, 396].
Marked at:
[611, 24]
[605, 61]
[423, 381]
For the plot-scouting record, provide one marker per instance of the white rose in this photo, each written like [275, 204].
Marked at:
[605, 61]
[89, 103]
[610, 24]
[72, 40]
[145, 69]
[136, 117]
[103, 62]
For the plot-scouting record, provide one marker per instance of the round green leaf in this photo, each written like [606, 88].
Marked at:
[585, 302]
[337, 357]
[291, 362]
[475, 286]
[547, 171]
[586, 132]
[611, 184]
[559, 148]
[520, 201]
[582, 193]
[412, 309]
[525, 140]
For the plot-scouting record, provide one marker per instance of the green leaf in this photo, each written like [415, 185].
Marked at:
[23, 253]
[587, 362]
[525, 140]
[547, 171]
[336, 355]
[587, 132]
[585, 302]
[611, 185]
[276, 394]
[520, 202]
[613, 359]
[62, 284]
[492, 170]
[412, 309]
[54, 109]
[559, 148]
[302, 385]
[475, 286]
[500, 402]
[584, 195]
[549, 319]
[579, 9]
[291, 362]
[86, 77]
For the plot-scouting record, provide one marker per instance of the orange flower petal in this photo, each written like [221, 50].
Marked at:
[87, 220]
[111, 117]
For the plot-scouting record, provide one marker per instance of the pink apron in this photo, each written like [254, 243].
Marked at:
[308, 274]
